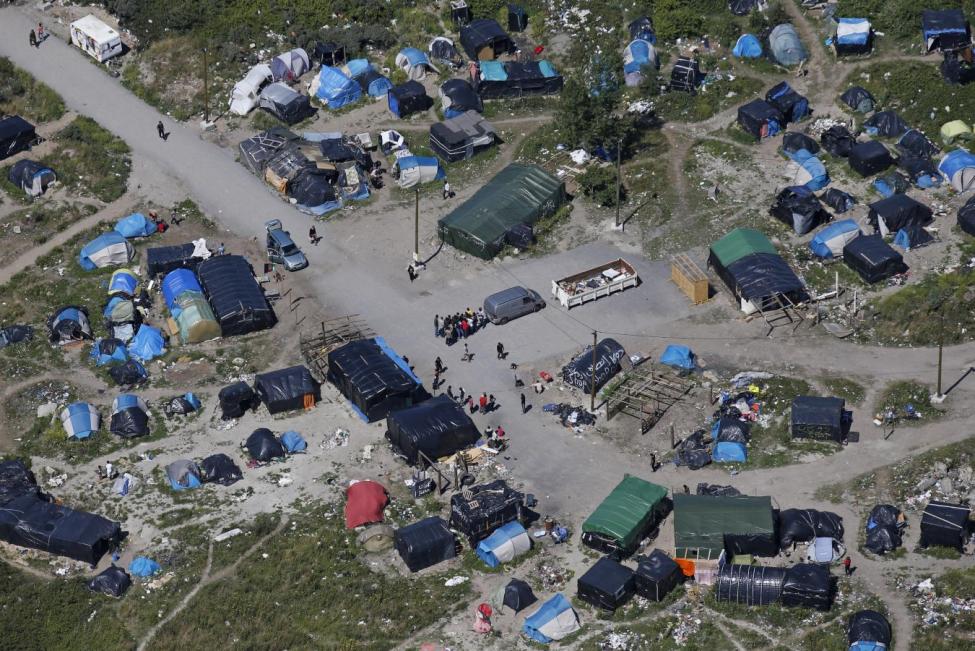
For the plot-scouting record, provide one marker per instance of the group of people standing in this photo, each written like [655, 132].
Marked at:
[460, 325]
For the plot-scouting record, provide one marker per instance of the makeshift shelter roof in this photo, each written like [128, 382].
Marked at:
[236, 297]
[868, 626]
[624, 516]
[244, 97]
[163, 259]
[461, 137]
[853, 36]
[899, 211]
[287, 389]
[135, 225]
[945, 29]
[374, 84]
[642, 28]
[760, 119]
[554, 620]
[285, 103]
[785, 45]
[944, 524]
[108, 351]
[506, 543]
[335, 88]
[414, 63]
[656, 575]
[263, 446]
[143, 567]
[80, 420]
[869, 158]
[16, 135]
[706, 525]
[220, 469]
[328, 53]
[917, 143]
[129, 374]
[235, 399]
[130, 416]
[484, 39]
[817, 418]
[958, 167]
[686, 75]
[442, 49]
[886, 123]
[791, 104]
[112, 581]
[829, 242]
[678, 356]
[293, 442]
[408, 98]
[518, 194]
[740, 243]
[105, 250]
[479, 510]
[437, 427]
[183, 474]
[797, 206]
[16, 480]
[15, 334]
[30, 521]
[838, 140]
[425, 543]
[793, 142]
[607, 584]
[364, 503]
[579, 372]
[858, 98]
[954, 131]
[31, 177]
[516, 79]
[374, 378]
[147, 344]
[747, 47]
[872, 258]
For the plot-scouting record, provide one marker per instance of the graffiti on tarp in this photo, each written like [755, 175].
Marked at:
[579, 372]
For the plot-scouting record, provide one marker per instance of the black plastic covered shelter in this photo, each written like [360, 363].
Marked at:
[130, 373]
[966, 217]
[656, 575]
[838, 200]
[760, 118]
[263, 446]
[872, 258]
[328, 54]
[579, 372]
[374, 382]
[797, 207]
[868, 626]
[686, 75]
[479, 510]
[641, 28]
[761, 276]
[858, 98]
[16, 135]
[896, 212]
[29, 521]
[236, 297]
[236, 399]
[945, 29]
[869, 158]
[793, 141]
[287, 389]
[838, 141]
[517, 18]
[425, 543]
[220, 469]
[16, 480]
[607, 584]
[160, 260]
[818, 418]
[944, 525]
[113, 581]
[753, 585]
[809, 586]
[517, 595]
[408, 98]
[887, 124]
[884, 524]
[130, 422]
[31, 176]
[955, 70]
[437, 427]
[521, 79]
[462, 96]
[484, 39]
[918, 144]
[804, 525]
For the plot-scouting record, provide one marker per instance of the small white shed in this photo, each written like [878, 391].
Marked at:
[96, 38]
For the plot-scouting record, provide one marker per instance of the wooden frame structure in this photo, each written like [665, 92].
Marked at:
[646, 395]
[332, 334]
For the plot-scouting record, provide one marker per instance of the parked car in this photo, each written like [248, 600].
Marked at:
[512, 303]
[281, 249]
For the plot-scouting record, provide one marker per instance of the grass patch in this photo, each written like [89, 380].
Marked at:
[850, 390]
[954, 629]
[169, 75]
[897, 396]
[21, 94]
[708, 102]
[38, 223]
[90, 161]
[502, 109]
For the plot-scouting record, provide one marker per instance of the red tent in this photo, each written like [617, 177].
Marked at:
[365, 501]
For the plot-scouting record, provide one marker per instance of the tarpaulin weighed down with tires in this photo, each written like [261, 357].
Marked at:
[479, 510]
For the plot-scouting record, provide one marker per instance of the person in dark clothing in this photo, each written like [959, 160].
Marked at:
[438, 366]
[848, 566]
[33, 43]
[491, 405]
[687, 490]
[450, 392]
[523, 403]
[436, 326]
[313, 235]
[161, 130]
[500, 350]
[462, 394]
[412, 272]
[654, 466]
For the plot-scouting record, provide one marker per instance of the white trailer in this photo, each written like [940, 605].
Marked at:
[96, 38]
[595, 283]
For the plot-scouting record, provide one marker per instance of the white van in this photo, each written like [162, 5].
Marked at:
[96, 38]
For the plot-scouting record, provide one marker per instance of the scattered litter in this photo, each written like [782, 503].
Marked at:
[455, 580]
[338, 440]
[227, 535]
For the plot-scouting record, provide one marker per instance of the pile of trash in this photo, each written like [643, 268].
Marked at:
[821, 125]
[570, 416]
[551, 576]
[685, 627]
[955, 484]
[935, 610]
[339, 439]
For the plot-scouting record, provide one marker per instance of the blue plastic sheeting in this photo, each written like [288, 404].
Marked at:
[785, 45]
[818, 177]
[193, 400]
[494, 71]
[729, 452]
[546, 68]
[144, 567]
[112, 239]
[502, 536]
[356, 68]
[192, 481]
[543, 622]
[853, 31]
[837, 230]
[123, 281]
[958, 167]
[637, 54]
[883, 188]
[868, 646]
[80, 420]
[415, 57]
[115, 300]
[147, 344]
[336, 89]
[135, 225]
[127, 401]
[747, 47]
[177, 282]
[378, 87]
[393, 355]
[678, 357]
[293, 442]
[101, 358]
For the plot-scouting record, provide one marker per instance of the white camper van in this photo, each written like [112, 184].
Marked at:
[96, 38]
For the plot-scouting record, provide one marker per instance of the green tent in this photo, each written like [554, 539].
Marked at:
[624, 516]
[518, 194]
[706, 525]
[955, 130]
[738, 243]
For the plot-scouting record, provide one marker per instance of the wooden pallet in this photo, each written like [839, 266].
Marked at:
[331, 334]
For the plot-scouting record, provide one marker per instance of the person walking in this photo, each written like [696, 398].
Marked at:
[848, 566]
[450, 392]
[161, 130]
[438, 365]
[523, 401]
[492, 405]
[221, 249]
[471, 404]
[33, 43]
[460, 391]
[436, 326]
[500, 350]
[412, 273]
[446, 190]
[313, 235]
[654, 466]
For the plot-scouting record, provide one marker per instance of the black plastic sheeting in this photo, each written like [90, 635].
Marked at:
[686, 76]
[642, 27]
[607, 584]
[944, 525]
[220, 469]
[236, 297]
[732, 430]
[15, 334]
[793, 142]
[177, 406]
[425, 543]
[263, 446]
[957, 71]
[437, 427]
[29, 521]
[753, 585]
[236, 399]
[656, 575]
[312, 188]
[160, 260]
[945, 27]
[490, 506]
[16, 135]
[579, 372]
[114, 582]
[783, 97]
[523, 79]
[872, 258]
[858, 98]
[129, 423]
[129, 374]
[411, 97]
[755, 114]
[838, 141]
[897, 212]
[716, 489]
[802, 525]
[918, 144]
[966, 217]
[868, 626]
[798, 208]
[371, 380]
[883, 529]
[763, 275]
[16, 480]
[869, 158]
[462, 96]
[286, 388]
[887, 123]
[485, 32]
[914, 167]
[809, 586]
[819, 418]
[742, 7]
[693, 451]
[518, 595]
[838, 200]
[520, 236]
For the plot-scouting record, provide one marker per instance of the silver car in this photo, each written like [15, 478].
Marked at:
[281, 249]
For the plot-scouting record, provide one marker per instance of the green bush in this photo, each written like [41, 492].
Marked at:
[900, 19]
[598, 183]
[21, 94]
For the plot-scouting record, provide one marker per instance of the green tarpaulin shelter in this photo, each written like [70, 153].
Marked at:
[625, 514]
[706, 525]
[741, 242]
[956, 130]
[518, 194]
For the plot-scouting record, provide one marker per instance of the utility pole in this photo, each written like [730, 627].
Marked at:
[941, 347]
[619, 178]
[416, 229]
[592, 378]
[206, 88]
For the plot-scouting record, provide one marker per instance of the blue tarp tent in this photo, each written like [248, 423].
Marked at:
[106, 249]
[637, 54]
[829, 242]
[106, 351]
[868, 646]
[729, 452]
[375, 84]
[812, 173]
[554, 620]
[678, 357]
[336, 89]
[176, 283]
[414, 63]
[147, 344]
[506, 543]
[355, 68]
[183, 474]
[747, 47]
[792, 105]
[80, 420]
[293, 442]
[135, 225]
[414, 170]
[958, 167]
[144, 567]
[852, 36]
[786, 48]
[123, 281]
[945, 29]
